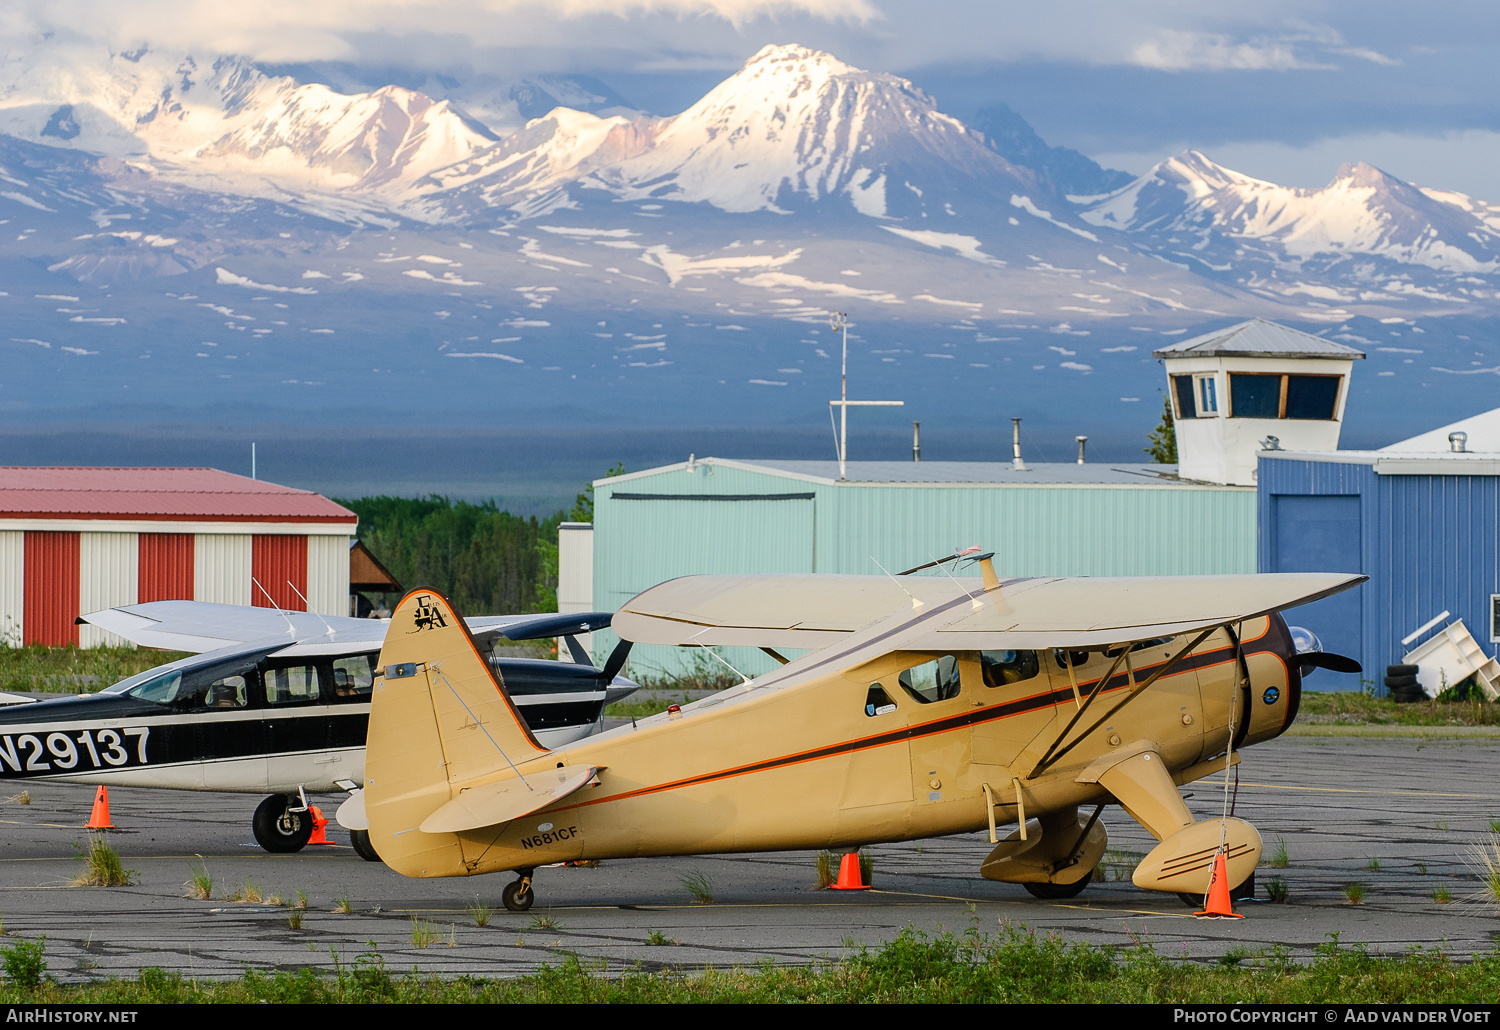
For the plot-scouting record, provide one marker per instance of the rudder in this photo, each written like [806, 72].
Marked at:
[438, 719]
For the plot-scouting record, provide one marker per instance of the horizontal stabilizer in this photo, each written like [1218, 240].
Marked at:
[496, 803]
[812, 611]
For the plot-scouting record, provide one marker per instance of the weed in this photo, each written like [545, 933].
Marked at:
[23, 798]
[1422, 868]
[657, 939]
[301, 900]
[102, 866]
[1373, 865]
[546, 921]
[422, 933]
[250, 893]
[1484, 859]
[1277, 890]
[342, 905]
[1234, 956]
[200, 883]
[699, 886]
[480, 913]
[1441, 824]
[1495, 825]
[452, 935]
[1119, 864]
[294, 918]
[866, 869]
[274, 899]
[1355, 892]
[1441, 896]
[826, 873]
[1279, 858]
[25, 962]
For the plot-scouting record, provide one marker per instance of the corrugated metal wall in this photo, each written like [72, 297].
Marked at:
[12, 587]
[327, 574]
[221, 568]
[1428, 543]
[165, 564]
[51, 602]
[278, 565]
[108, 576]
[652, 528]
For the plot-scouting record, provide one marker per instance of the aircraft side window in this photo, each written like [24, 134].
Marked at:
[1002, 667]
[934, 681]
[1139, 645]
[291, 685]
[353, 677]
[162, 690]
[1061, 657]
[878, 702]
[227, 692]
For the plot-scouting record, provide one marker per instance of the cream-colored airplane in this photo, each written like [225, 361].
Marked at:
[926, 705]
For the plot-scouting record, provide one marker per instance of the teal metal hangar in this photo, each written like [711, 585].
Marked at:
[716, 515]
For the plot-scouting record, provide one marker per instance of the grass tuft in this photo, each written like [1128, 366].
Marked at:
[1355, 892]
[422, 933]
[1441, 895]
[23, 798]
[545, 921]
[1279, 858]
[699, 886]
[200, 883]
[657, 939]
[1484, 859]
[342, 905]
[1277, 890]
[827, 869]
[102, 865]
[480, 913]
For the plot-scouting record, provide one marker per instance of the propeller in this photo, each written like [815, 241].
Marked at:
[1310, 654]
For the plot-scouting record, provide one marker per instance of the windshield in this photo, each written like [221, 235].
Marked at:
[162, 688]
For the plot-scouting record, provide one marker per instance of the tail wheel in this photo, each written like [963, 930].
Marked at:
[360, 841]
[518, 895]
[278, 830]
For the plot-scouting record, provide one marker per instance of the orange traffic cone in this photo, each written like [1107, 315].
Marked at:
[849, 878]
[319, 821]
[99, 818]
[1218, 891]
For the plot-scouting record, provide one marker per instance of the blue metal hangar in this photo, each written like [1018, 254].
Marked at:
[1420, 517]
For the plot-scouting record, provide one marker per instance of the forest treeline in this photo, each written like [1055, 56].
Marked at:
[485, 560]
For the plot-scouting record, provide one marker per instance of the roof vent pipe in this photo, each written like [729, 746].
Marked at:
[1457, 442]
[1271, 443]
[1015, 444]
[916, 441]
[1081, 441]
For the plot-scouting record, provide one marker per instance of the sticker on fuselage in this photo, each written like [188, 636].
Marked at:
[39, 754]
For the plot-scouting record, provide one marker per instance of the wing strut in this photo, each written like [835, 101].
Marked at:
[1054, 753]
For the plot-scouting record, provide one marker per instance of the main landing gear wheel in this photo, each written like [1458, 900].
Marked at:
[278, 830]
[518, 895]
[1244, 892]
[360, 841]
[1057, 891]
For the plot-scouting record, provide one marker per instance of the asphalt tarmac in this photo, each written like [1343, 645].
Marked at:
[1404, 817]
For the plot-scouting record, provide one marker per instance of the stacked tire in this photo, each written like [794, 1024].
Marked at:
[1401, 683]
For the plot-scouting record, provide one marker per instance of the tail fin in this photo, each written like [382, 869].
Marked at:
[437, 718]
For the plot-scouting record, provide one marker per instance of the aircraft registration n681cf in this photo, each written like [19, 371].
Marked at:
[926, 706]
[274, 702]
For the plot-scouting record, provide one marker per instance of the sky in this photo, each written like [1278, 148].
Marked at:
[1281, 90]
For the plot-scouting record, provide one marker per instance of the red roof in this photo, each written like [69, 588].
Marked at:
[158, 494]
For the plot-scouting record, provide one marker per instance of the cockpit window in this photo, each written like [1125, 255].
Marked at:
[1002, 667]
[162, 689]
[935, 681]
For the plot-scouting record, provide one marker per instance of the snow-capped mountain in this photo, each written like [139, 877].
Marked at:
[262, 235]
[1361, 227]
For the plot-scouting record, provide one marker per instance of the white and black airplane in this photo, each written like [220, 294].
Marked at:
[275, 702]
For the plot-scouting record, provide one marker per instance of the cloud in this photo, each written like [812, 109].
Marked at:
[1174, 50]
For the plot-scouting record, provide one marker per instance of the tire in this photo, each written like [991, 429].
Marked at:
[279, 831]
[1244, 892]
[1057, 891]
[360, 841]
[1400, 681]
[1401, 670]
[515, 899]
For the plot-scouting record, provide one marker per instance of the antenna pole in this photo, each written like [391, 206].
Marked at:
[840, 321]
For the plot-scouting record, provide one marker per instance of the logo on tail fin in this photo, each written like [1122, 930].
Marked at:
[428, 614]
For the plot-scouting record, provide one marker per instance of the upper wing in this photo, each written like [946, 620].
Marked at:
[198, 626]
[812, 611]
